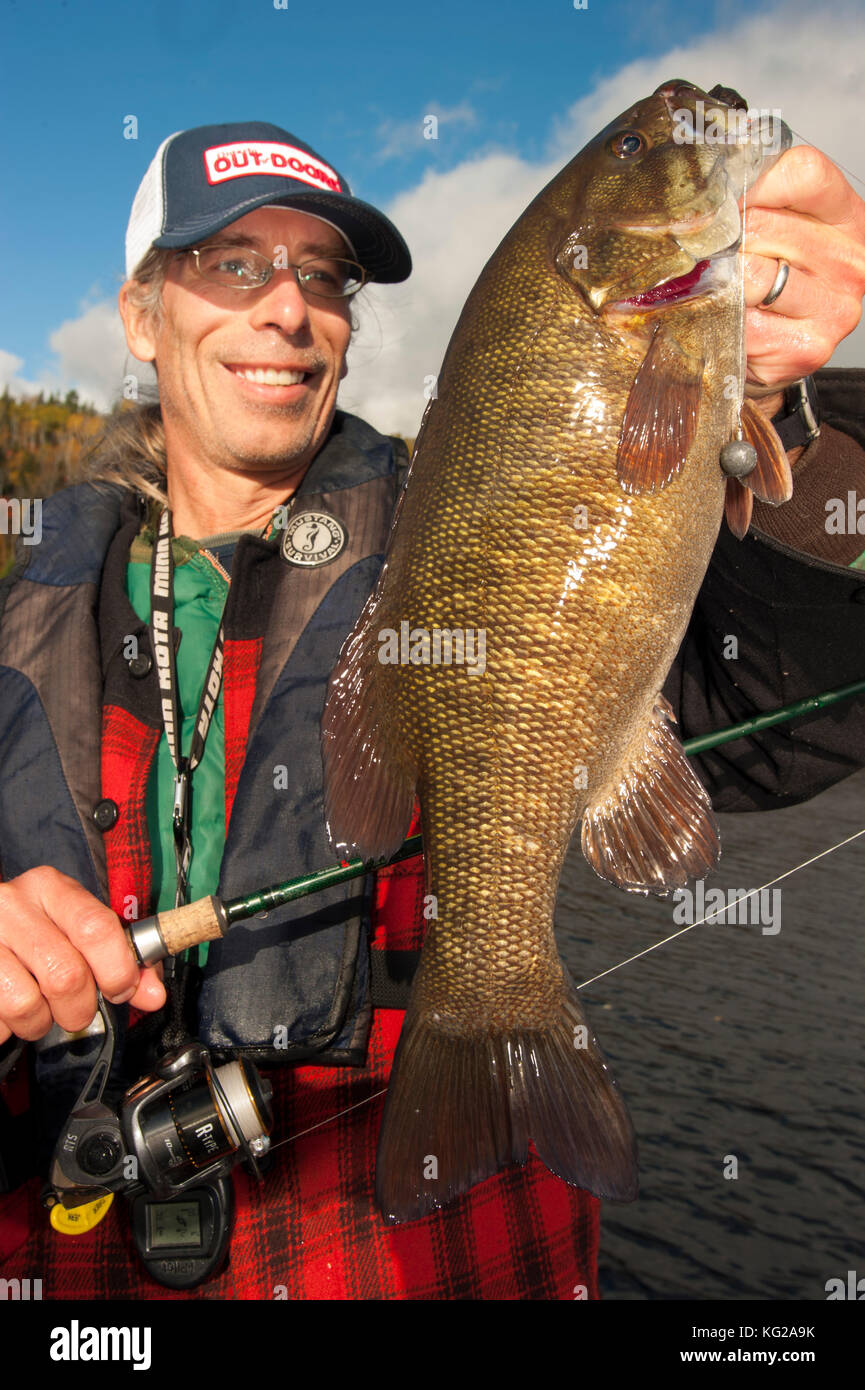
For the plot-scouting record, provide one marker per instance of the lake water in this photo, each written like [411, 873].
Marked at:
[735, 1043]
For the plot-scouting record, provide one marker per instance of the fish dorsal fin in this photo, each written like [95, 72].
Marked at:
[738, 506]
[660, 418]
[651, 828]
[771, 480]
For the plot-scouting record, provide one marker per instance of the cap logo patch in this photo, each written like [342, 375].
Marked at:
[244, 157]
[313, 538]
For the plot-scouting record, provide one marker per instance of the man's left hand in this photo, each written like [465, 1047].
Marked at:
[804, 211]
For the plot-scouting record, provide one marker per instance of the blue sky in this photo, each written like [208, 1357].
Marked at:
[354, 84]
[518, 86]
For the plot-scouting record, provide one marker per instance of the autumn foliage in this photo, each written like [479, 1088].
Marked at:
[42, 443]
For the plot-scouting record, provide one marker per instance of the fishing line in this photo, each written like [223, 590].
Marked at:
[638, 956]
[720, 911]
[836, 162]
[330, 1119]
[742, 365]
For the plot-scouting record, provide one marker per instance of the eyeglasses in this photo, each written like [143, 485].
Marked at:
[240, 268]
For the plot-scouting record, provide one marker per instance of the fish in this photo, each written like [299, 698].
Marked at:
[561, 507]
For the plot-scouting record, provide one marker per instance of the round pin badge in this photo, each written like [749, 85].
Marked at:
[313, 538]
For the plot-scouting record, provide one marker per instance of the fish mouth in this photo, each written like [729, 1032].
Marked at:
[707, 276]
[706, 240]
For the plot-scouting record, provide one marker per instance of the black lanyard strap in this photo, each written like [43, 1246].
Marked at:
[162, 639]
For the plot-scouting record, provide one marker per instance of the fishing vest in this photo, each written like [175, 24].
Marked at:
[80, 722]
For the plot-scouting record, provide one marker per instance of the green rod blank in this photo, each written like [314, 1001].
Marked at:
[774, 716]
[240, 909]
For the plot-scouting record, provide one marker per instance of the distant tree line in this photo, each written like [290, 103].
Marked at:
[42, 443]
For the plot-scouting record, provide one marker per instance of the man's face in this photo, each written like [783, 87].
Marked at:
[212, 339]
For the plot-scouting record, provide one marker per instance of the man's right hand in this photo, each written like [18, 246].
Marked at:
[58, 943]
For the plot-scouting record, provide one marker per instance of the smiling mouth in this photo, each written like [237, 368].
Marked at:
[271, 376]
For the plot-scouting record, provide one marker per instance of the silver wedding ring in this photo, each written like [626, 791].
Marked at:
[777, 284]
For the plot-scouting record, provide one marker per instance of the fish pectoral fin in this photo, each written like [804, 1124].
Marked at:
[652, 827]
[738, 506]
[660, 419]
[464, 1102]
[369, 791]
[771, 480]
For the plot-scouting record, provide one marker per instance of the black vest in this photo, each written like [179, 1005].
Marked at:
[301, 976]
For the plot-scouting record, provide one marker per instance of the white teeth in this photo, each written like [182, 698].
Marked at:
[268, 376]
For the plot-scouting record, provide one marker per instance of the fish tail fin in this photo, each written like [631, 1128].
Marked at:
[464, 1103]
[368, 788]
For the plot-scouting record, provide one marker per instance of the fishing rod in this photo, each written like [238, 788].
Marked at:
[701, 742]
[177, 929]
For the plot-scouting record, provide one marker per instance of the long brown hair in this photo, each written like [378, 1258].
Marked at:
[131, 448]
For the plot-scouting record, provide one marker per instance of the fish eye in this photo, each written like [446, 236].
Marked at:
[628, 144]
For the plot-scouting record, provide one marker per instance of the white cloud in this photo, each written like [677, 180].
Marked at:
[452, 223]
[9, 378]
[399, 138]
[92, 354]
[790, 58]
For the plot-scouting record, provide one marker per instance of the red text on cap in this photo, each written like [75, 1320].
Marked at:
[244, 157]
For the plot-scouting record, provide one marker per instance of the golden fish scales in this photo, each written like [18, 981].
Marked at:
[556, 694]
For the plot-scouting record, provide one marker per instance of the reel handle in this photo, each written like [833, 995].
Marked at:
[175, 930]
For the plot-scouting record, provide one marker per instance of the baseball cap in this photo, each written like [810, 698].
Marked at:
[201, 180]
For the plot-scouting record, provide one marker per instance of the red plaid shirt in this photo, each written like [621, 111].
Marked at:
[312, 1230]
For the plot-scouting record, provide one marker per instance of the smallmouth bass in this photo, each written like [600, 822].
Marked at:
[561, 508]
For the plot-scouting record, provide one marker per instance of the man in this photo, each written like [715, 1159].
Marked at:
[243, 249]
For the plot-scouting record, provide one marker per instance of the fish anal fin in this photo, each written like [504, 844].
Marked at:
[651, 829]
[660, 419]
[771, 480]
[369, 790]
[738, 506]
[464, 1102]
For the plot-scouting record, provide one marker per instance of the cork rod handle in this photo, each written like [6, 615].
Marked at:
[178, 928]
[182, 927]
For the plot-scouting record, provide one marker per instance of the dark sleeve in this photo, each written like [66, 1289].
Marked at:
[796, 617]
[401, 459]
